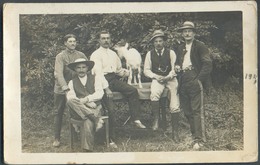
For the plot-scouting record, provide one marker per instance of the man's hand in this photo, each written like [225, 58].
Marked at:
[91, 105]
[108, 92]
[177, 68]
[165, 79]
[159, 78]
[126, 73]
[84, 100]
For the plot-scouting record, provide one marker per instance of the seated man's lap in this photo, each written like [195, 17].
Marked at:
[120, 86]
[156, 90]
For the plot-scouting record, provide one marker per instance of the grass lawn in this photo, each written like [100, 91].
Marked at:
[224, 129]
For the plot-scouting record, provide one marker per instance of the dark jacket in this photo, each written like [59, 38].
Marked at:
[200, 60]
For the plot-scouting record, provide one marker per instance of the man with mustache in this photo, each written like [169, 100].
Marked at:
[84, 97]
[63, 75]
[111, 67]
[159, 66]
[194, 66]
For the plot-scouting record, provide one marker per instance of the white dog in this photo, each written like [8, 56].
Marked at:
[133, 62]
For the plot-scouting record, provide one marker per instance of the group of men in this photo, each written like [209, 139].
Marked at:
[81, 84]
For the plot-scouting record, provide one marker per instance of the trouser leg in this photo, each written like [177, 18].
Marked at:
[109, 106]
[59, 106]
[186, 106]
[155, 113]
[175, 126]
[130, 93]
[79, 108]
[87, 135]
[196, 105]
[194, 115]
[172, 85]
[156, 92]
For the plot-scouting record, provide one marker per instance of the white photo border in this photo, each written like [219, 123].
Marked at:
[12, 101]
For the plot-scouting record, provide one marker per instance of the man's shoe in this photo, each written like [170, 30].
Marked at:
[56, 143]
[197, 146]
[138, 124]
[113, 145]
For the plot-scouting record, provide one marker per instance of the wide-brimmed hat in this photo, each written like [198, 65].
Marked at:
[187, 25]
[158, 33]
[90, 64]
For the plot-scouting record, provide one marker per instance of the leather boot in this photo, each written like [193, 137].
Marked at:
[155, 113]
[175, 127]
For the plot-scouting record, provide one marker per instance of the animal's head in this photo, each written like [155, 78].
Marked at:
[121, 48]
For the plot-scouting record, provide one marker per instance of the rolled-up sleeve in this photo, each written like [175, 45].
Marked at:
[173, 60]
[71, 94]
[119, 70]
[99, 92]
[148, 66]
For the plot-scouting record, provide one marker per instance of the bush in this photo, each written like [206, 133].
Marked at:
[41, 40]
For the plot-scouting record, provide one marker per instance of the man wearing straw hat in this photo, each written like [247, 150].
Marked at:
[159, 66]
[194, 66]
[84, 97]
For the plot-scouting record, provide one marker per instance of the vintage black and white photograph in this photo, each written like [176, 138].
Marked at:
[131, 81]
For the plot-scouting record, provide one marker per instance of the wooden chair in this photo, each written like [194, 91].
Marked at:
[80, 124]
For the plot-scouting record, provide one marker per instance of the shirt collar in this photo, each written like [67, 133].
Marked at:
[83, 80]
[70, 51]
[161, 51]
[103, 49]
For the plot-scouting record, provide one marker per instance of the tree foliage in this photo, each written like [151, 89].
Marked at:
[41, 40]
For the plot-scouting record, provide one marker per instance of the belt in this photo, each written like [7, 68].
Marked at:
[188, 69]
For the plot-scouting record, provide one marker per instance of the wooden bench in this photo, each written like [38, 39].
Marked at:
[144, 95]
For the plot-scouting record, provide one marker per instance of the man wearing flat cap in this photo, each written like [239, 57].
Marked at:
[159, 66]
[84, 97]
[194, 66]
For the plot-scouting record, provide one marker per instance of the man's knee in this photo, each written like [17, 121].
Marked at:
[155, 94]
[71, 102]
[133, 90]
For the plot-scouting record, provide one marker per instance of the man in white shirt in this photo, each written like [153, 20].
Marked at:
[112, 70]
[159, 66]
[84, 95]
[194, 66]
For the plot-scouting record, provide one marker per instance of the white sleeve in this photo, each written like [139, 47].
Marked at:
[99, 92]
[97, 70]
[173, 59]
[148, 66]
[71, 94]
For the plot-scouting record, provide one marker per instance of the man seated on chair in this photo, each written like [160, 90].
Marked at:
[159, 66]
[83, 100]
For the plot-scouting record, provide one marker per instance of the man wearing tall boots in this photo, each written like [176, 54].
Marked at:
[159, 66]
[194, 66]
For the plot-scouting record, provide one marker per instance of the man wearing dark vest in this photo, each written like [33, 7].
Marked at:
[84, 100]
[159, 66]
[194, 66]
